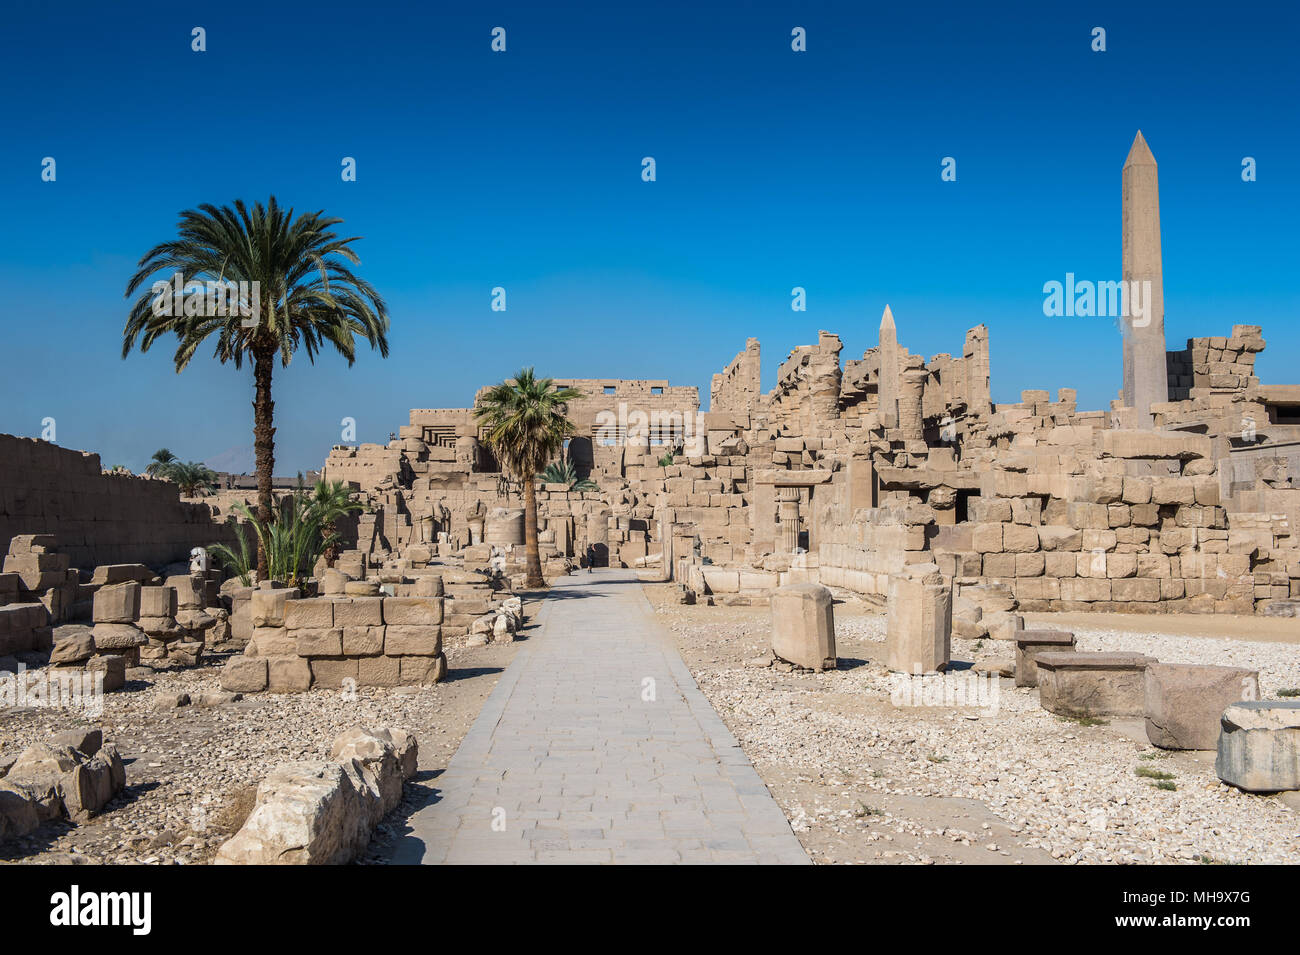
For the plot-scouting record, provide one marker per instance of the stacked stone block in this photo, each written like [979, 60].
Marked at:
[339, 642]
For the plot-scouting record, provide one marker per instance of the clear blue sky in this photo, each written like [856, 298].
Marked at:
[775, 169]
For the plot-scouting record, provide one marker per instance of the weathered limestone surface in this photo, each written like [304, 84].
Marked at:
[1185, 702]
[1259, 746]
[803, 626]
[1081, 685]
[322, 812]
[60, 780]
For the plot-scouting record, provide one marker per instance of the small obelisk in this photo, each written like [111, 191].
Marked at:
[889, 371]
[1146, 380]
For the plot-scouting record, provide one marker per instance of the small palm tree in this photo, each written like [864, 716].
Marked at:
[191, 477]
[162, 459]
[330, 501]
[308, 297]
[563, 472]
[526, 422]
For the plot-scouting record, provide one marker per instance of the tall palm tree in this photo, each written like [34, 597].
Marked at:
[526, 420]
[306, 293]
[162, 459]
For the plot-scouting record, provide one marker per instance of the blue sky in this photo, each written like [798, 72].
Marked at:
[522, 170]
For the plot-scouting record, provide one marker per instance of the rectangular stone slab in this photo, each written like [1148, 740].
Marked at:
[1185, 702]
[1092, 684]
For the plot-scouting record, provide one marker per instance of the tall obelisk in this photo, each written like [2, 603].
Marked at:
[1146, 379]
[887, 393]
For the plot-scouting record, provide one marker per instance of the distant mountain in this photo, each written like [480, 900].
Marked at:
[238, 460]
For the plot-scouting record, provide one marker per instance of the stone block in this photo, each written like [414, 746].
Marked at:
[363, 641]
[1030, 643]
[268, 607]
[118, 636]
[245, 674]
[287, 675]
[423, 670]
[1019, 539]
[117, 603]
[1259, 746]
[113, 669]
[986, 538]
[413, 611]
[379, 671]
[1092, 684]
[314, 614]
[157, 602]
[318, 643]
[333, 673]
[73, 649]
[1185, 702]
[919, 622]
[108, 574]
[359, 612]
[413, 641]
[803, 626]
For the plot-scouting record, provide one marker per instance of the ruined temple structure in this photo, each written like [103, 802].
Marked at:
[1180, 497]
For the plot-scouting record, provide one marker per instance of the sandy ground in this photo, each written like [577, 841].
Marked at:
[864, 781]
[192, 771]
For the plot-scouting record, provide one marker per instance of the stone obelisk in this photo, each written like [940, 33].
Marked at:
[1146, 379]
[889, 371]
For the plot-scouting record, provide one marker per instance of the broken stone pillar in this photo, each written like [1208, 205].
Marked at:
[918, 636]
[1185, 702]
[803, 626]
[787, 512]
[826, 375]
[1146, 379]
[1259, 746]
[889, 371]
[975, 355]
[504, 525]
[911, 389]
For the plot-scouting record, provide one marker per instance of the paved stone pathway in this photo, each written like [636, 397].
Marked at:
[597, 746]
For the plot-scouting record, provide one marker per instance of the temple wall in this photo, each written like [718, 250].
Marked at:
[97, 518]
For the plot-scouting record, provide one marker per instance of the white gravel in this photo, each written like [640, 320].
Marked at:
[1068, 789]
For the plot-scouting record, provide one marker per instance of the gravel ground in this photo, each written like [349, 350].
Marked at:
[864, 781]
[192, 771]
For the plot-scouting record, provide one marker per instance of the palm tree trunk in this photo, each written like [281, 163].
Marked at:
[533, 559]
[263, 445]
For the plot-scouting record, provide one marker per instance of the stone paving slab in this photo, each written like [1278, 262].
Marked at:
[597, 746]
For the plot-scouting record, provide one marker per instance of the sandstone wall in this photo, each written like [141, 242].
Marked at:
[98, 518]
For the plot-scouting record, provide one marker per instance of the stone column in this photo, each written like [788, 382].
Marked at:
[1146, 379]
[910, 392]
[787, 512]
[918, 635]
[889, 370]
[976, 359]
